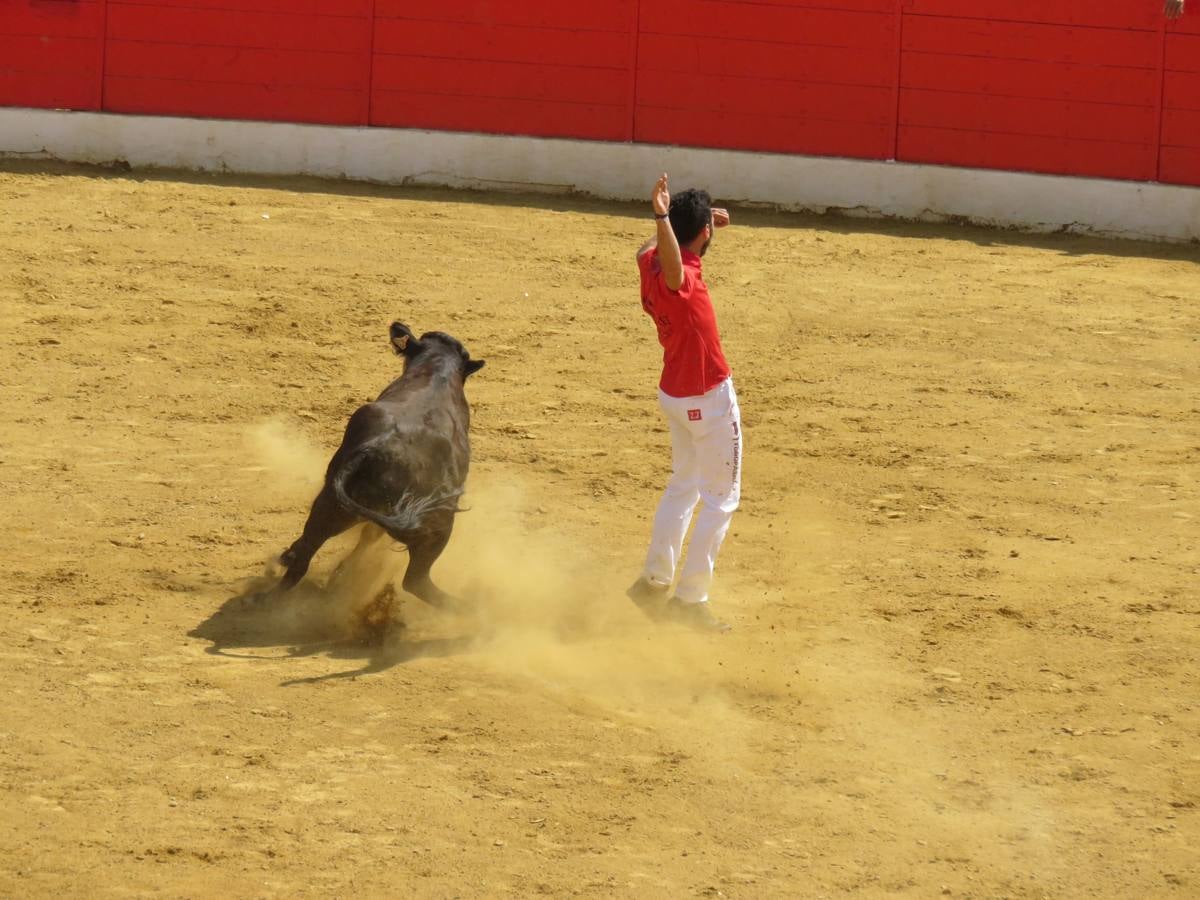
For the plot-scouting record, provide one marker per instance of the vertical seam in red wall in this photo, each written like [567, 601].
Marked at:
[899, 66]
[370, 69]
[1162, 99]
[103, 54]
[636, 32]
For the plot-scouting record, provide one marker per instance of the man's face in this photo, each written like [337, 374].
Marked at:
[712, 229]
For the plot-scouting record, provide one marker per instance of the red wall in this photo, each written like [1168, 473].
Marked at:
[1088, 87]
[51, 53]
[541, 67]
[791, 77]
[291, 60]
[1063, 87]
[1179, 153]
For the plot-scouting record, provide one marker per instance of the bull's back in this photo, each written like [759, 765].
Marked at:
[402, 445]
[436, 407]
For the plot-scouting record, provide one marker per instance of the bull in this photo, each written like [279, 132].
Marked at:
[402, 464]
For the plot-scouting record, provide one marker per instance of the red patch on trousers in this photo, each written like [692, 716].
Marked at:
[694, 415]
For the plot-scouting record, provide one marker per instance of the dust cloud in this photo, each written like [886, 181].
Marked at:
[555, 614]
[291, 466]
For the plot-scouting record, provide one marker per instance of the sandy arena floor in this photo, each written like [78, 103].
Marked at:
[964, 578]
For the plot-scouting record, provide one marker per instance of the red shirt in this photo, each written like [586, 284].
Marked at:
[693, 363]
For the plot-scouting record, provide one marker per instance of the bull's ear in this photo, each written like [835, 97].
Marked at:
[401, 336]
[473, 366]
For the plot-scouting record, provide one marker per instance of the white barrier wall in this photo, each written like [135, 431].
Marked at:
[614, 171]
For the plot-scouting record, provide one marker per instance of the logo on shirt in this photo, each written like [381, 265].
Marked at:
[694, 415]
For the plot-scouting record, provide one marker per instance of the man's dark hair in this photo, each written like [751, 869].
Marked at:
[691, 210]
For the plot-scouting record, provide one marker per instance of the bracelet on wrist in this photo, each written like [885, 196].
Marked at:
[663, 216]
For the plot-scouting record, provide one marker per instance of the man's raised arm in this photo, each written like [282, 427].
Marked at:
[669, 257]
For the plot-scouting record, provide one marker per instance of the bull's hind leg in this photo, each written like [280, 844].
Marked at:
[423, 552]
[327, 519]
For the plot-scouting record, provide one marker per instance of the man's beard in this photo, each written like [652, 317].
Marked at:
[704, 248]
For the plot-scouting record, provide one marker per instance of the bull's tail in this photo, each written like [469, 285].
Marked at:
[407, 513]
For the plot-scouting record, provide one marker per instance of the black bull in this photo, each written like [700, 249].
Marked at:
[402, 463]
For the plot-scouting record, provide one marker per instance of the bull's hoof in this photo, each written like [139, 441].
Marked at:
[430, 593]
[449, 603]
[257, 599]
[460, 605]
[276, 566]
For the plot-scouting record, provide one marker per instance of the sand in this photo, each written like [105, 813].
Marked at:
[963, 580]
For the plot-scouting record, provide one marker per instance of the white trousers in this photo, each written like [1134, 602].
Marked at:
[706, 451]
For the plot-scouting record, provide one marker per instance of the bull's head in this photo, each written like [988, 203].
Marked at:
[408, 345]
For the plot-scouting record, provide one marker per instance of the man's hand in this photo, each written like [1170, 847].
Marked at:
[668, 247]
[1174, 8]
[661, 198]
[720, 217]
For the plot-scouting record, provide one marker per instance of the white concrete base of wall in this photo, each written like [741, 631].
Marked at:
[610, 170]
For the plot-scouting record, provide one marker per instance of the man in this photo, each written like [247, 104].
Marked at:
[697, 397]
[1174, 8]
